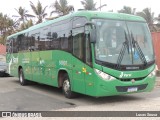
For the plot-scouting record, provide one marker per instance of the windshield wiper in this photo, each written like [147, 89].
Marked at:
[123, 49]
[136, 45]
[121, 54]
[127, 42]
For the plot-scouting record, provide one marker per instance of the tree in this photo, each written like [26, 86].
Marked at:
[61, 7]
[158, 19]
[149, 17]
[127, 10]
[6, 27]
[22, 14]
[89, 4]
[158, 22]
[39, 11]
[26, 25]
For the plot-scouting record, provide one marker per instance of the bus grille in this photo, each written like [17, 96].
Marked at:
[128, 80]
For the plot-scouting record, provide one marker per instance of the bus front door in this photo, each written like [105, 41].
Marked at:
[78, 61]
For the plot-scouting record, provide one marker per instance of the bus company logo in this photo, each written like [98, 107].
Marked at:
[41, 62]
[84, 70]
[25, 60]
[124, 75]
[15, 60]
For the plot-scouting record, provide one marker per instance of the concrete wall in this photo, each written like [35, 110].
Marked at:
[2, 53]
[156, 43]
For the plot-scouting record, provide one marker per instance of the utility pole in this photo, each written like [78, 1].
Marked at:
[100, 5]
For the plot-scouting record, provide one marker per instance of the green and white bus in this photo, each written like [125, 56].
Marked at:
[88, 52]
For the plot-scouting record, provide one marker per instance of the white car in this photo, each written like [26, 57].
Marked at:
[3, 69]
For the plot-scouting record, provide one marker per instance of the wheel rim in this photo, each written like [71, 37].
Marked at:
[21, 78]
[66, 86]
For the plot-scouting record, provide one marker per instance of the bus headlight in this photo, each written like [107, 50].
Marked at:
[103, 75]
[153, 73]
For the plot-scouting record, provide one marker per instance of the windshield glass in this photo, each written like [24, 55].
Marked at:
[122, 42]
[140, 33]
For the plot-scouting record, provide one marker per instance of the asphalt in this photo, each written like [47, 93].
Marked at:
[37, 97]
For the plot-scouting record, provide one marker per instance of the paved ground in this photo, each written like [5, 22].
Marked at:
[33, 97]
[14, 97]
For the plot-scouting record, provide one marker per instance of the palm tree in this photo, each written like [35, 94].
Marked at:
[158, 19]
[26, 25]
[149, 17]
[61, 7]
[39, 11]
[158, 22]
[89, 4]
[127, 10]
[6, 27]
[22, 14]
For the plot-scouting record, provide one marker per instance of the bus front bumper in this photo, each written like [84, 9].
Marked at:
[117, 87]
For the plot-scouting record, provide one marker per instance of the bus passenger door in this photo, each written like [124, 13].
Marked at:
[26, 57]
[78, 82]
[89, 71]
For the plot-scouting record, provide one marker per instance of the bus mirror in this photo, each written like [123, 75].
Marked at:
[93, 35]
[92, 31]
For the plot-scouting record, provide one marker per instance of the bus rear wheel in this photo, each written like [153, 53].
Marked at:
[22, 80]
[66, 87]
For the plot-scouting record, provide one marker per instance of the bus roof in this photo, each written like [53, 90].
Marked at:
[88, 14]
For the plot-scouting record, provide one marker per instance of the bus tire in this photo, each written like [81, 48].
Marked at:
[66, 87]
[22, 80]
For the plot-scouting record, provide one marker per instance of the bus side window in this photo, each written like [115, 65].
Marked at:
[88, 50]
[15, 46]
[77, 45]
[9, 46]
[64, 42]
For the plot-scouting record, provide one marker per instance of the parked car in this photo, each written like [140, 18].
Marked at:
[3, 69]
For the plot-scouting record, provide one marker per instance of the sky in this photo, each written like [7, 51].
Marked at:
[8, 6]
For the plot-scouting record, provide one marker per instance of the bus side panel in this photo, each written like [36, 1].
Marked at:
[90, 81]
[36, 69]
[13, 64]
[48, 72]
[62, 61]
[26, 64]
[79, 72]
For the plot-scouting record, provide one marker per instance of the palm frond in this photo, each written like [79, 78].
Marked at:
[43, 11]
[33, 8]
[44, 15]
[29, 15]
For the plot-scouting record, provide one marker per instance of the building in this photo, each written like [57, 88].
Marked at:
[156, 43]
[2, 52]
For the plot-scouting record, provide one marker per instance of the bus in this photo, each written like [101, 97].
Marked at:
[88, 52]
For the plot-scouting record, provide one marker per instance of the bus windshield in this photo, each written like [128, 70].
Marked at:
[123, 42]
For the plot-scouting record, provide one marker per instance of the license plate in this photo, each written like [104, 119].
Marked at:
[132, 89]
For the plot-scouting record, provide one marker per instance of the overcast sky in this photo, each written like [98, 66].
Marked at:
[7, 6]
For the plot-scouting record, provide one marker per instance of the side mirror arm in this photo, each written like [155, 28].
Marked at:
[93, 32]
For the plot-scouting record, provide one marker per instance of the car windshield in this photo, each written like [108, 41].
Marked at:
[123, 42]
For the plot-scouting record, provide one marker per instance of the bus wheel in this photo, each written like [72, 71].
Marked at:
[22, 80]
[66, 87]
